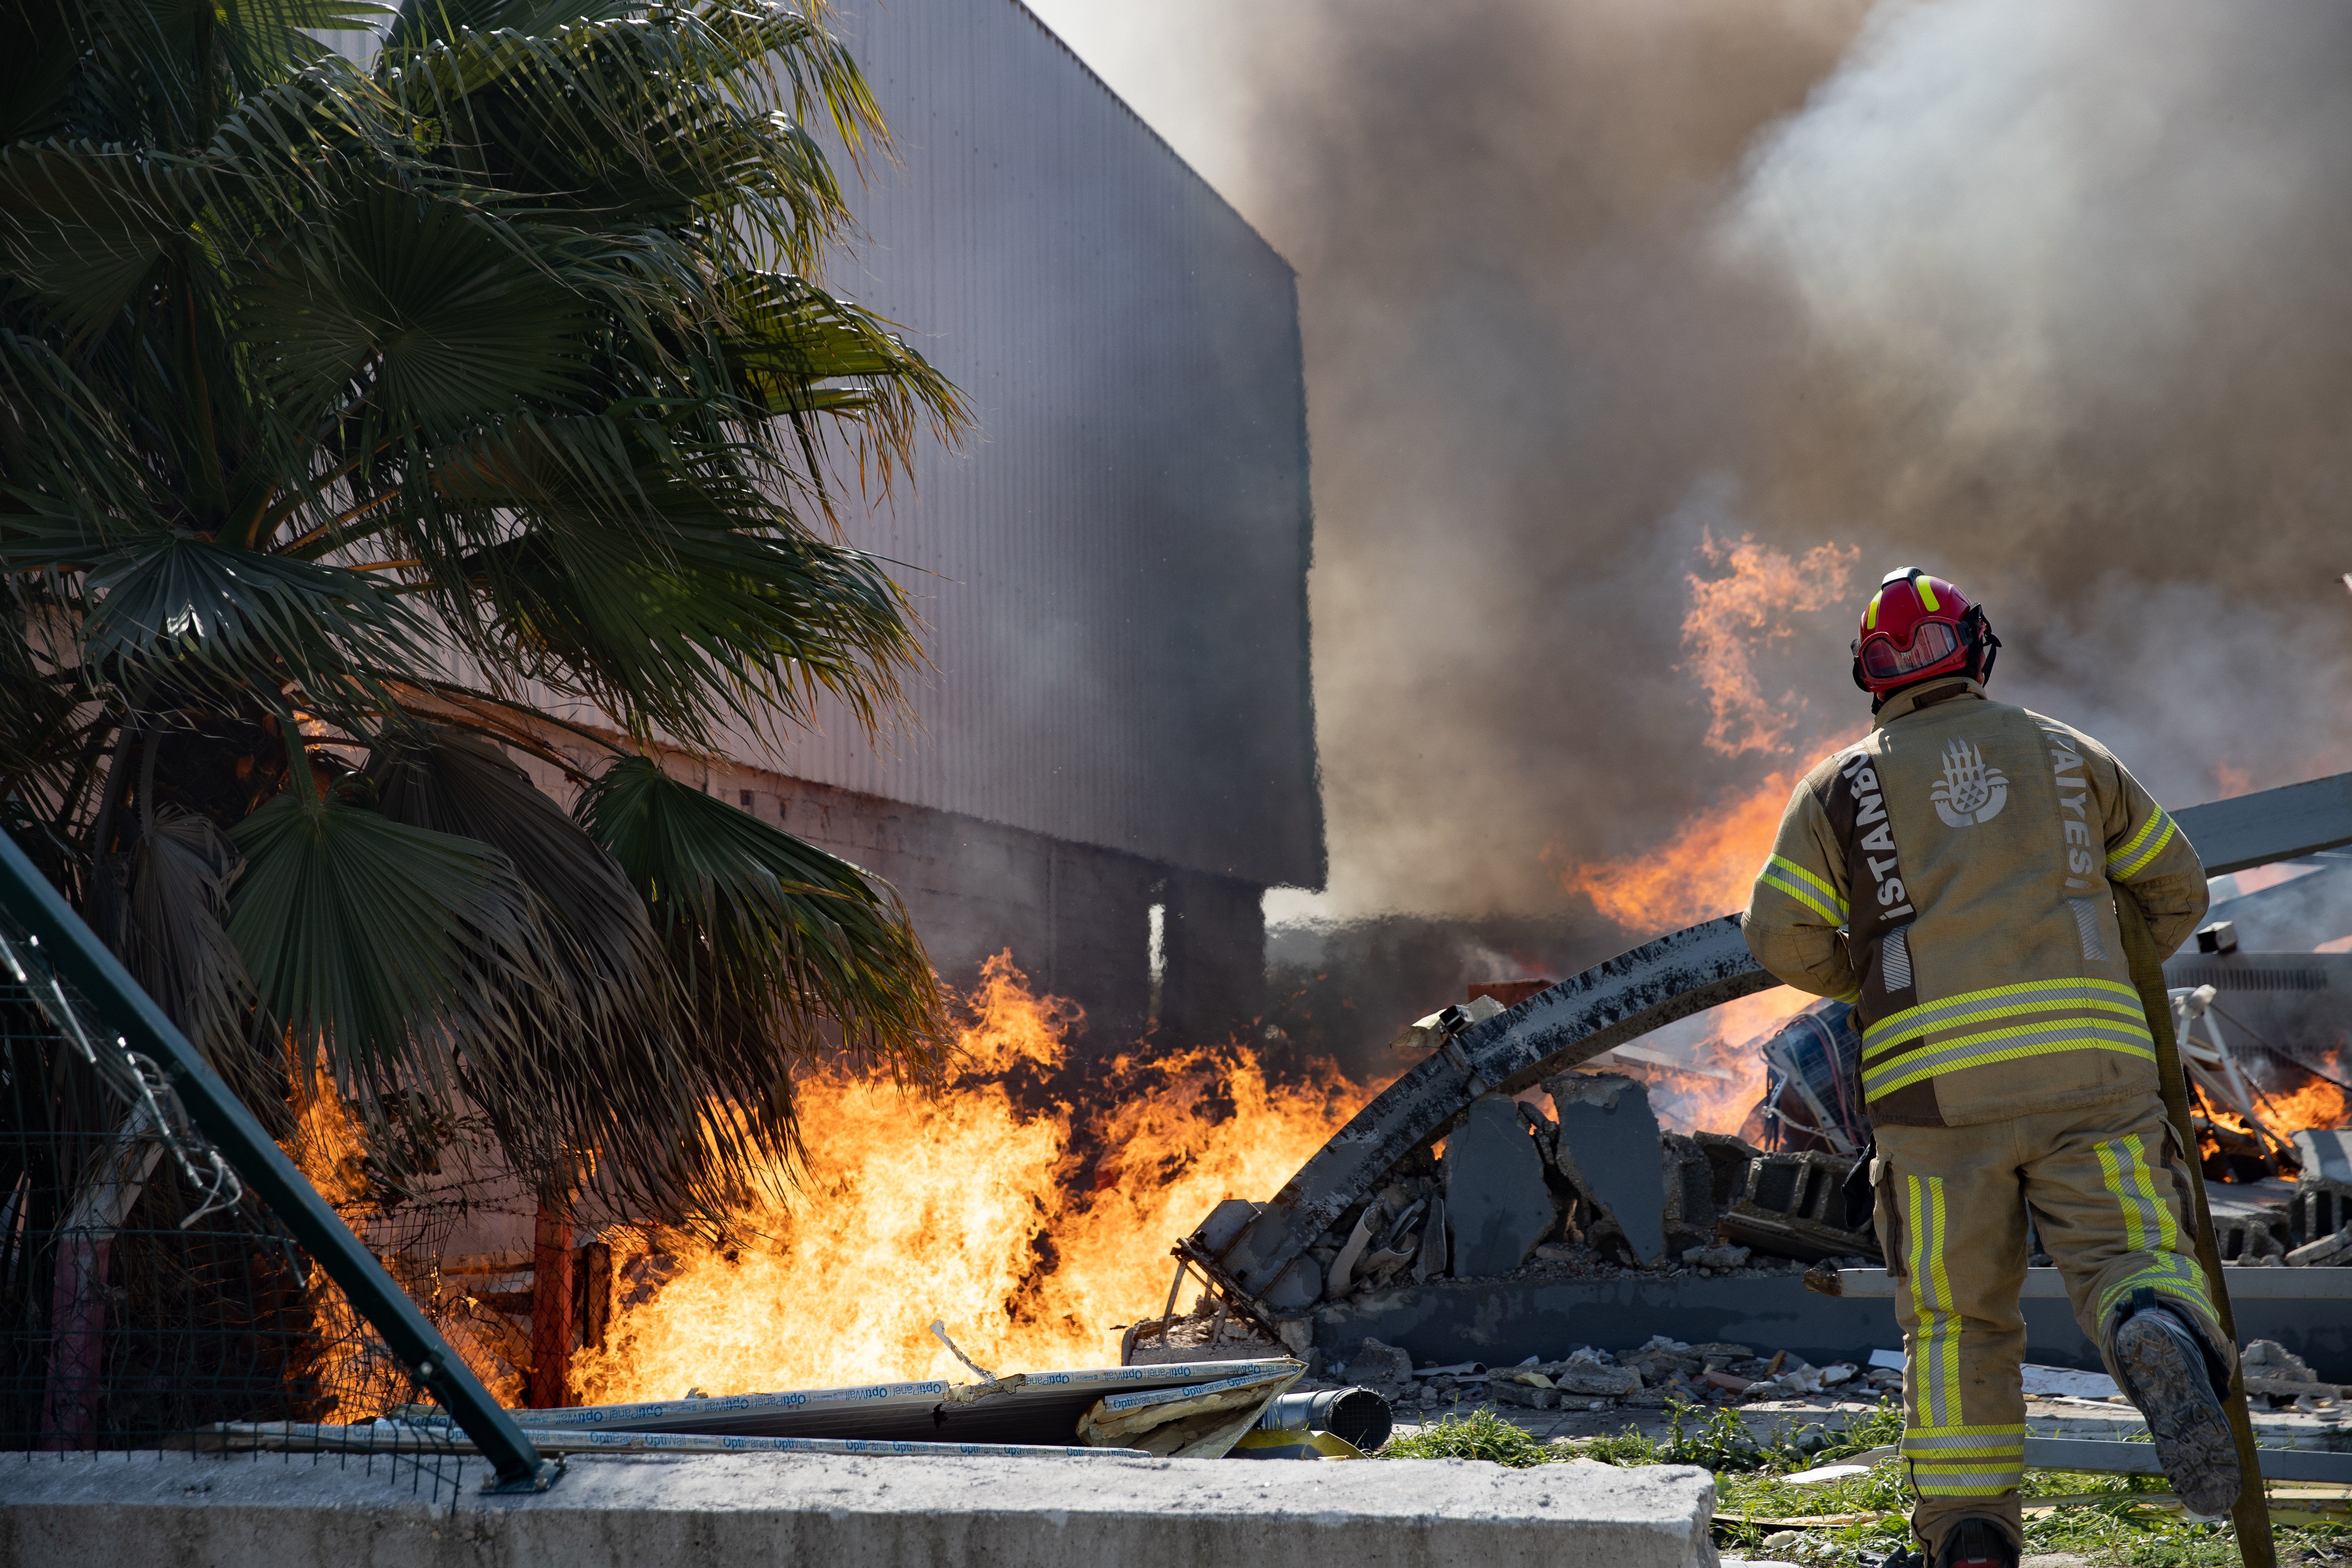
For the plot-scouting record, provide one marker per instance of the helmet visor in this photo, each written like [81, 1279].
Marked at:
[1932, 642]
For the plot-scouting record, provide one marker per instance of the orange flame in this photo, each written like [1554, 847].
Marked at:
[1711, 865]
[349, 1359]
[1705, 872]
[1699, 1102]
[965, 1208]
[2317, 1103]
[1729, 615]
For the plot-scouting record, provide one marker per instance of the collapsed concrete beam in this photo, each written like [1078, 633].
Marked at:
[104, 1510]
[1621, 1000]
[2273, 825]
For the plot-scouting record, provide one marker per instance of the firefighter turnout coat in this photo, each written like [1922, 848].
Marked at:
[1948, 875]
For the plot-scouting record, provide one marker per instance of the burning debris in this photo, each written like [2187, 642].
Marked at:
[1525, 1164]
[1594, 1188]
[1502, 1161]
[1028, 1205]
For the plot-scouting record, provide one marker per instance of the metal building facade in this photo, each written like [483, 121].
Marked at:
[1114, 573]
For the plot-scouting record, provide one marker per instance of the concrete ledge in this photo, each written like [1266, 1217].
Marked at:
[278, 1511]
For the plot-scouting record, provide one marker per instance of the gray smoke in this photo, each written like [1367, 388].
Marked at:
[2050, 299]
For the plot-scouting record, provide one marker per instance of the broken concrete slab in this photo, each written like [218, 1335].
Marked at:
[2325, 1155]
[1598, 1382]
[1531, 1397]
[1612, 1152]
[1573, 1021]
[1378, 1366]
[1496, 1198]
[2270, 1359]
[1794, 1205]
[2321, 1208]
[104, 1510]
[1436, 1247]
[1691, 1209]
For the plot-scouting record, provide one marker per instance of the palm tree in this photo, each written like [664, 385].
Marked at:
[364, 427]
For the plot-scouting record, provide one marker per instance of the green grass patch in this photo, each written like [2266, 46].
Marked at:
[2123, 1529]
[1481, 1435]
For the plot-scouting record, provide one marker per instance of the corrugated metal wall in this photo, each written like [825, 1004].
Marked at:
[1117, 604]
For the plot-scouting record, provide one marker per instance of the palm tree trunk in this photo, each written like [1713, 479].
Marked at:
[551, 1304]
[77, 1293]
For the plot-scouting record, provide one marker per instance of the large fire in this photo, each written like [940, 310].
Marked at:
[1034, 1231]
[1732, 615]
[1704, 873]
[355, 1374]
[2318, 1103]
[1707, 868]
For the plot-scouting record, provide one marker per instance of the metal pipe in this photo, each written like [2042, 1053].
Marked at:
[1355, 1416]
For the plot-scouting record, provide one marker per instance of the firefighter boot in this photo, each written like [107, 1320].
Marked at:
[1977, 1542]
[2164, 1373]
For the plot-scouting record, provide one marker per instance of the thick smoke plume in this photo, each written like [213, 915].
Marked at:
[2050, 299]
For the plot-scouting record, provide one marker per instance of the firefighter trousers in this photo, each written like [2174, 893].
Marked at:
[2111, 1206]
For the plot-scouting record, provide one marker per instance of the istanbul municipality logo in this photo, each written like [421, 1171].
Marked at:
[1970, 792]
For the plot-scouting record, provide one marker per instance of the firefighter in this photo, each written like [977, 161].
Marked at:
[1949, 875]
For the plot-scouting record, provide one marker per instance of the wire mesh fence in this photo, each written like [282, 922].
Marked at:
[148, 1299]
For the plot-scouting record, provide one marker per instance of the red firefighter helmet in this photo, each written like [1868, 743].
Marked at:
[1916, 627]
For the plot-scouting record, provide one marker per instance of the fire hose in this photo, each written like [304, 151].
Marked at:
[2252, 1515]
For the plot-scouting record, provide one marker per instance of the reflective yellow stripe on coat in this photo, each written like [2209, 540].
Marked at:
[2000, 1024]
[1808, 889]
[2133, 856]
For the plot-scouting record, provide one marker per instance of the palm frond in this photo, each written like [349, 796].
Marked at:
[383, 949]
[69, 471]
[612, 112]
[424, 299]
[259, 42]
[430, 777]
[774, 937]
[491, 379]
[38, 67]
[798, 352]
[625, 1085]
[207, 617]
[419, 24]
[84, 228]
[782, 951]
[697, 628]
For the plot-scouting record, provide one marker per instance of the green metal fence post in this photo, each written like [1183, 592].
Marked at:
[78, 954]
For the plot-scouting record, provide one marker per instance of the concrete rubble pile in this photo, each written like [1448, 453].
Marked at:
[2310, 1227]
[1600, 1188]
[1653, 1375]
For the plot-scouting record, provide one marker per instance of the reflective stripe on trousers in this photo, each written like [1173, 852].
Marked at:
[2108, 1195]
